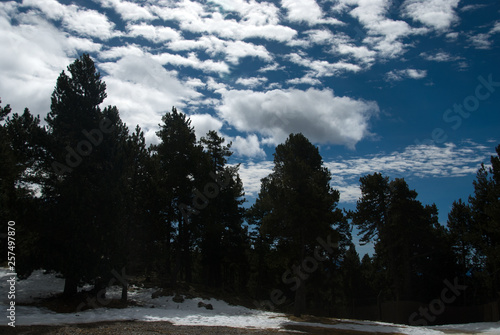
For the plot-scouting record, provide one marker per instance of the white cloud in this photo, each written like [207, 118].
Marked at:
[121, 51]
[143, 90]
[129, 11]
[397, 75]
[195, 17]
[318, 114]
[251, 82]
[439, 57]
[361, 53]
[82, 21]
[320, 36]
[34, 55]
[307, 79]
[251, 174]
[469, 8]
[155, 34]
[496, 28]
[322, 68]
[252, 12]
[420, 161]
[249, 146]
[233, 50]
[436, 14]
[203, 123]
[382, 34]
[483, 40]
[192, 61]
[307, 11]
[195, 82]
[423, 161]
[215, 86]
[271, 67]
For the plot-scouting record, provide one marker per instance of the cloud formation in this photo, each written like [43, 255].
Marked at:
[318, 114]
[436, 14]
[423, 161]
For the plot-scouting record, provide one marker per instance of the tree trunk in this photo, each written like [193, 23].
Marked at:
[70, 287]
[298, 306]
[124, 292]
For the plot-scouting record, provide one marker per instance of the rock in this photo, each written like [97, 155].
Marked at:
[156, 294]
[178, 298]
[207, 306]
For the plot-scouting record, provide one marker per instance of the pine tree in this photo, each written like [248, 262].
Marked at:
[485, 232]
[21, 176]
[409, 241]
[298, 204]
[179, 158]
[223, 239]
[83, 156]
[460, 225]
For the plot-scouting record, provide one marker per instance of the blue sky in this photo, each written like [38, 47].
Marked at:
[409, 88]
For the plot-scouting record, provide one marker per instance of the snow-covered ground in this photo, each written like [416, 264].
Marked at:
[39, 285]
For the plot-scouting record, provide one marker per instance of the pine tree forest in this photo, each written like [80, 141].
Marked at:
[91, 198]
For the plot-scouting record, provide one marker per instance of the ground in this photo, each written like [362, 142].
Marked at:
[38, 310]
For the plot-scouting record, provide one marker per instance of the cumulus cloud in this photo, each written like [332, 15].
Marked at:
[156, 34]
[307, 80]
[247, 146]
[203, 123]
[121, 51]
[37, 53]
[129, 11]
[437, 14]
[233, 50]
[322, 68]
[251, 174]
[251, 82]
[318, 114]
[252, 12]
[306, 11]
[143, 90]
[82, 21]
[197, 18]
[192, 61]
[382, 34]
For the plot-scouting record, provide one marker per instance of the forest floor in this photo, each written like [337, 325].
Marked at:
[38, 310]
[147, 328]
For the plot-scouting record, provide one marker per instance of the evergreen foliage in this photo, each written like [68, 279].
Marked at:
[91, 199]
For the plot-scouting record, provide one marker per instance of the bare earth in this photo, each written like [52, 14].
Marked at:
[147, 328]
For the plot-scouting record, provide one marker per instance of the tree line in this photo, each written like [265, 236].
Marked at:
[90, 197]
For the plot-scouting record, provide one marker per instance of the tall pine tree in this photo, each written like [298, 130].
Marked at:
[297, 205]
[83, 157]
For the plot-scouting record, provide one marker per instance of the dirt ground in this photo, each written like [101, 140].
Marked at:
[147, 328]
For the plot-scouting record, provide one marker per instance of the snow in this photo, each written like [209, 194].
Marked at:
[40, 285]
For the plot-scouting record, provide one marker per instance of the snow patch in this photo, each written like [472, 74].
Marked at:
[40, 285]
